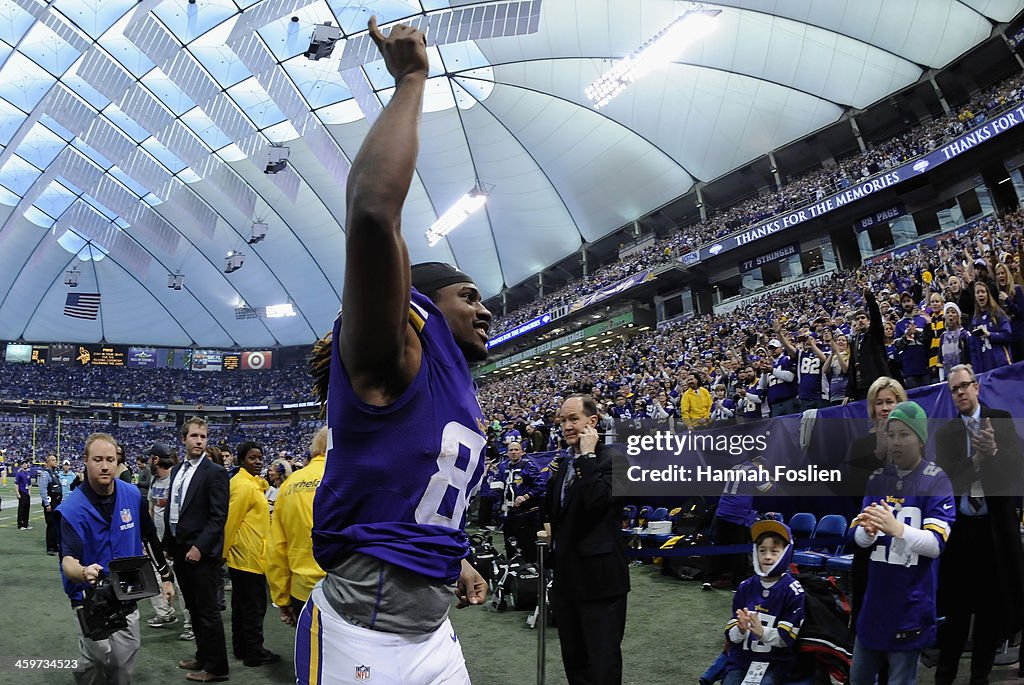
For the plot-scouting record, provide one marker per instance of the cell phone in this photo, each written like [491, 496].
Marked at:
[977, 331]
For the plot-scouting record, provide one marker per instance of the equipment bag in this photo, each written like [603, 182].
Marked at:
[825, 645]
[513, 584]
[54, 490]
[685, 567]
[481, 555]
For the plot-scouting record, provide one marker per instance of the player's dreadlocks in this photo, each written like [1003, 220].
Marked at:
[319, 366]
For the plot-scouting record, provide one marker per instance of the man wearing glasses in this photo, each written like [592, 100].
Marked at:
[980, 572]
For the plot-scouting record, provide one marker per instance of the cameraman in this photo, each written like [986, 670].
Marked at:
[100, 521]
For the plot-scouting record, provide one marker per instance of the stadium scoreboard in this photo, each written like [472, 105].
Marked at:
[65, 354]
[101, 355]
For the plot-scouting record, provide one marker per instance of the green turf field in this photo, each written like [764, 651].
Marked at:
[672, 634]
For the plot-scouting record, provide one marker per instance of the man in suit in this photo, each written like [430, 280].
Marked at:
[591, 572]
[980, 452]
[194, 517]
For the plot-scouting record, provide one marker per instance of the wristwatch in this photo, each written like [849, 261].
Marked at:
[589, 455]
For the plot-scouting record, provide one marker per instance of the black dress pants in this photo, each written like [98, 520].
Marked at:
[248, 608]
[198, 582]
[727, 533]
[23, 504]
[51, 530]
[962, 568]
[590, 634]
[523, 527]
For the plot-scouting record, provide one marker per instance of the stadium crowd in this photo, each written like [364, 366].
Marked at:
[643, 380]
[174, 386]
[20, 441]
[797, 191]
[649, 372]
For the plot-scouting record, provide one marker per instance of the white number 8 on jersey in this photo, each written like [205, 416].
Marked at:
[446, 498]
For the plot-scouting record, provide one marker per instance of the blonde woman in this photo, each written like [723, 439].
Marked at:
[867, 453]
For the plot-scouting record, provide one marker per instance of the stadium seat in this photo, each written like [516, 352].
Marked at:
[659, 514]
[628, 517]
[644, 516]
[830, 526]
[802, 525]
[842, 563]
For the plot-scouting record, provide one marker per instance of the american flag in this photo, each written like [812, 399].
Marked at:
[82, 305]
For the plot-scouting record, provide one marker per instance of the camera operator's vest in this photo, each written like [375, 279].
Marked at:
[101, 541]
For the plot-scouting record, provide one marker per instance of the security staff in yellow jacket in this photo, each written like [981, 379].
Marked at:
[245, 534]
[291, 569]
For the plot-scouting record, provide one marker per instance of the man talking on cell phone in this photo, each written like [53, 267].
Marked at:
[588, 556]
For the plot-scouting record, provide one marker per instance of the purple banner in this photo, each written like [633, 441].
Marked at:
[519, 330]
[769, 257]
[880, 217]
[993, 127]
[614, 289]
[801, 455]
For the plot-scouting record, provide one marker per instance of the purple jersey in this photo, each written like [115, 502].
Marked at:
[398, 479]
[779, 390]
[899, 605]
[736, 505]
[810, 375]
[781, 607]
[748, 408]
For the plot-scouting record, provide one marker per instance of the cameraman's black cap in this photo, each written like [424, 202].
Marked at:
[159, 449]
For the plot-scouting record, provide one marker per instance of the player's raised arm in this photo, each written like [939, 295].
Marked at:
[380, 351]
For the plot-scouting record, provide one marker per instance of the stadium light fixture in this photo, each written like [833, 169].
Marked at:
[658, 50]
[233, 261]
[321, 45]
[277, 159]
[460, 211]
[259, 231]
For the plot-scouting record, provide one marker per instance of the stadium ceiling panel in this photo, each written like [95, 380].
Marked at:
[134, 137]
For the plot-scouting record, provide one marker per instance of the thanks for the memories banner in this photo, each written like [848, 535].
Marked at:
[519, 330]
[990, 129]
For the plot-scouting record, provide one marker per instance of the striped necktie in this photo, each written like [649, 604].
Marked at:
[975, 503]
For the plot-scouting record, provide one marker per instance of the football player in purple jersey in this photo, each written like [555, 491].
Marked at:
[405, 431]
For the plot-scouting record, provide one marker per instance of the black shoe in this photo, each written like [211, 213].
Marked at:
[266, 658]
[51, 552]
